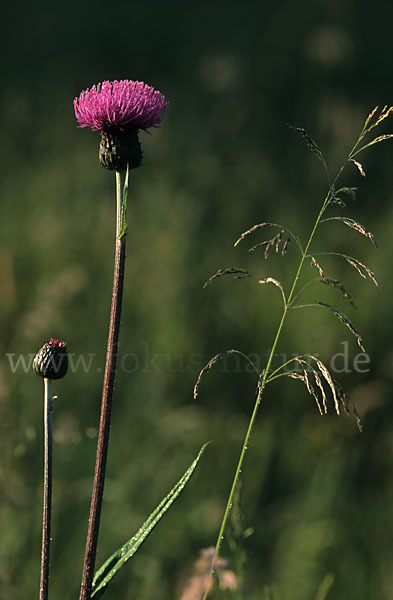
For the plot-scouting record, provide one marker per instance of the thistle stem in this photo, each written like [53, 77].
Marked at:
[107, 395]
[47, 501]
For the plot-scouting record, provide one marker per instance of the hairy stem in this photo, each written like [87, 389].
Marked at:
[47, 502]
[107, 395]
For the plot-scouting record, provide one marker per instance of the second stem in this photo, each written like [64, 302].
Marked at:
[47, 503]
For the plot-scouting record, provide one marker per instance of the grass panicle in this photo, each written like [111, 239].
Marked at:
[360, 267]
[207, 368]
[347, 322]
[274, 241]
[315, 264]
[308, 368]
[359, 167]
[351, 191]
[251, 230]
[354, 225]
[339, 286]
[238, 272]
[277, 284]
[310, 364]
[309, 141]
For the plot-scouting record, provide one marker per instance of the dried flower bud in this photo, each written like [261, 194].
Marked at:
[51, 362]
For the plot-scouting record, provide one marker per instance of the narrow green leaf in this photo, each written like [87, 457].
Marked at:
[325, 586]
[109, 569]
[123, 230]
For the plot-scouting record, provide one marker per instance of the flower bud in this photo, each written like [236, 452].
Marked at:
[51, 362]
[119, 149]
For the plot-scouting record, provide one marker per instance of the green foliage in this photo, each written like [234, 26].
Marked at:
[105, 574]
[319, 494]
[267, 373]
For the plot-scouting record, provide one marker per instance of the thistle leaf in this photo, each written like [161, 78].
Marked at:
[109, 569]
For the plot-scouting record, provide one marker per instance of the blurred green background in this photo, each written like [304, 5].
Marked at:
[317, 493]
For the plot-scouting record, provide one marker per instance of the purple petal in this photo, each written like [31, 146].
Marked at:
[120, 105]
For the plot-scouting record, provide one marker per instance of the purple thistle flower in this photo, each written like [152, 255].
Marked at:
[118, 109]
[120, 105]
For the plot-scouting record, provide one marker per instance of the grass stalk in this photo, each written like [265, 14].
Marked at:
[265, 378]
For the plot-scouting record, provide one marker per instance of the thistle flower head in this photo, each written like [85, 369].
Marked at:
[51, 361]
[120, 105]
[118, 109]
